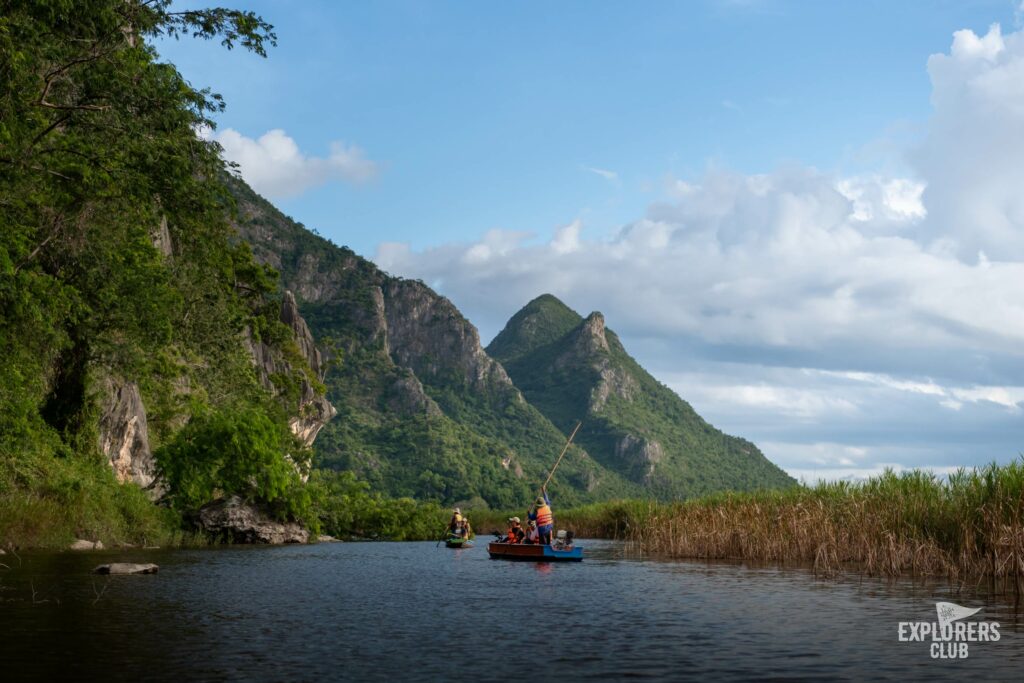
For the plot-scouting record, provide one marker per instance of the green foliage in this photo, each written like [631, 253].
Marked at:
[235, 452]
[539, 323]
[117, 258]
[49, 502]
[348, 509]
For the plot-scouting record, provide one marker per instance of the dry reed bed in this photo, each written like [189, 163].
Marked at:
[969, 524]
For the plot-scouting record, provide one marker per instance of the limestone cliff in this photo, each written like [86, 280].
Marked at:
[124, 433]
[312, 410]
[423, 409]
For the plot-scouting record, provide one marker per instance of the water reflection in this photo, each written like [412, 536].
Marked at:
[412, 611]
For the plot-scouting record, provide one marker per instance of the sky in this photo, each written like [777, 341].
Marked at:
[806, 218]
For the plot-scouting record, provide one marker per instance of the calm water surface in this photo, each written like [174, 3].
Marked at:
[410, 612]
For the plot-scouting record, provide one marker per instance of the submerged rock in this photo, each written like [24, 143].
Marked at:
[82, 544]
[240, 521]
[126, 568]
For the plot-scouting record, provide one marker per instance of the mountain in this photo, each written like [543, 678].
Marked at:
[423, 410]
[573, 368]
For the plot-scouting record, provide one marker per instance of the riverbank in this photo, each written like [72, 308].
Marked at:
[914, 523]
[78, 499]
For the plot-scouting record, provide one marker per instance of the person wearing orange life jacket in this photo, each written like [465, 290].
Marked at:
[541, 513]
[515, 531]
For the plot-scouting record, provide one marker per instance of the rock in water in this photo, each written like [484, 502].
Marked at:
[126, 568]
[243, 522]
[82, 544]
[324, 538]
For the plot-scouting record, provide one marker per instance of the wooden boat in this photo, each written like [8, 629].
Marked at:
[458, 542]
[534, 552]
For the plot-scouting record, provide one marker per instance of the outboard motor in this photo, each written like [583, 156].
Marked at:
[563, 539]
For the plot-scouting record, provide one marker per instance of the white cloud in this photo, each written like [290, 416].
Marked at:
[274, 165]
[567, 238]
[603, 172]
[971, 155]
[871, 308]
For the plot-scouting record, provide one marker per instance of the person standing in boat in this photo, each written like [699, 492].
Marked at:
[541, 514]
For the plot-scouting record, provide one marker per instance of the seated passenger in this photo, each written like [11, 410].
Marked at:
[515, 531]
[532, 535]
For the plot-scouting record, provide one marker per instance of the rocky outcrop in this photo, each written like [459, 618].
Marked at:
[407, 397]
[427, 333]
[82, 544]
[162, 238]
[640, 453]
[313, 410]
[124, 434]
[239, 521]
[126, 568]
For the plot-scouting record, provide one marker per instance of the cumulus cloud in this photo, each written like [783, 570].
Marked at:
[975, 141]
[802, 308]
[274, 165]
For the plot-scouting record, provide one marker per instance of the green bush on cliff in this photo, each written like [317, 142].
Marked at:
[240, 451]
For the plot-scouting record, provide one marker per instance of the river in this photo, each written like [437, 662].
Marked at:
[415, 612]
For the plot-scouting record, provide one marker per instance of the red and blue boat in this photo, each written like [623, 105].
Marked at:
[534, 552]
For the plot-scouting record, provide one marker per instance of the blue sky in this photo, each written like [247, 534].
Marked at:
[801, 215]
[485, 114]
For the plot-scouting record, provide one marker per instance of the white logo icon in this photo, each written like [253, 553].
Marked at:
[950, 612]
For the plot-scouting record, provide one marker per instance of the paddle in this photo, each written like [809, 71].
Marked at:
[446, 530]
[560, 456]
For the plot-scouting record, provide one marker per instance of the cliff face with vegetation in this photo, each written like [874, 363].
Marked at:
[575, 368]
[424, 411]
[136, 333]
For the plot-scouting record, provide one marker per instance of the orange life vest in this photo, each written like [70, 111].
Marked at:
[513, 536]
[544, 516]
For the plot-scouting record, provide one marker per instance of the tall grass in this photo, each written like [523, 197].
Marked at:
[969, 524]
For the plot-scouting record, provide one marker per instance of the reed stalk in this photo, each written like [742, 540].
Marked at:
[970, 524]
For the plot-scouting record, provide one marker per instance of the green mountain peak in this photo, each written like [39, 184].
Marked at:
[538, 323]
[632, 424]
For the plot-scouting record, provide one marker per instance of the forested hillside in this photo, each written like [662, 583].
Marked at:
[422, 410]
[573, 368]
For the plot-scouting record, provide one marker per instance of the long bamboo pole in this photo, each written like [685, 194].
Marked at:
[561, 455]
